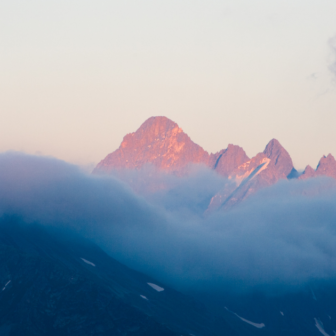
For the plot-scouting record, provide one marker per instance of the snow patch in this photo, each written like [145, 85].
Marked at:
[319, 326]
[241, 178]
[6, 285]
[257, 325]
[88, 262]
[263, 163]
[144, 297]
[156, 287]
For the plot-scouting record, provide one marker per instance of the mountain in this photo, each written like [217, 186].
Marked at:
[309, 310]
[229, 159]
[326, 167]
[57, 283]
[263, 170]
[163, 144]
[54, 282]
[160, 142]
[309, 172]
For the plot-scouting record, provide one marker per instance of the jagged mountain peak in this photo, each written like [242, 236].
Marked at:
[274, 148]
[158, 141]
[229, 159]
[308, 173]
[325, 160]
[273, 144]
[154, 129]
[160, 125]
[327, 166]
[280, 158]
[309, 169]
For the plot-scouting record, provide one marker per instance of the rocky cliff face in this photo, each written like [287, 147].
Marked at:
[229, 159]
[326, 167]
[161, 143]
[263, 170]
[281, 163]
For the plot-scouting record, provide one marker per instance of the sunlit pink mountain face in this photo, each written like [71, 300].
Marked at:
[161, 143]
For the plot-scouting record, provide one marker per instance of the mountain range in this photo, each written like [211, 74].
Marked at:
[160, 142]
[54, 281]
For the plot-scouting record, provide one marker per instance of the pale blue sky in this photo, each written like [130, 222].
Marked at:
[76, 76]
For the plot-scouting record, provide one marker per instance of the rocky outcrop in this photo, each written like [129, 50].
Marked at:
[309, 172]
[263, 170]
[160, 142]
[281, 163]
[163, 144]
[326, 167]
[229, 159]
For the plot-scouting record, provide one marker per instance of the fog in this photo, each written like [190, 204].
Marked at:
[332, 44]
[284, 235]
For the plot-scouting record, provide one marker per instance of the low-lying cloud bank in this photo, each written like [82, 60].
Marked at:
[284, 235]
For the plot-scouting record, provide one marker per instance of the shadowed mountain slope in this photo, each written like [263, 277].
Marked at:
[59, 284]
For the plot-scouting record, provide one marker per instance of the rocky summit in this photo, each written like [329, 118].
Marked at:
[264, 169]
[160, 142]
[229, 159]
[326, 167]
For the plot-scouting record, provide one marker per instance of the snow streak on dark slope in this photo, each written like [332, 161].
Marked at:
[56, 283]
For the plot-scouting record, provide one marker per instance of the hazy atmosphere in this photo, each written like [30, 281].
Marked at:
[167, 168]
[76, 76]
[292, 221]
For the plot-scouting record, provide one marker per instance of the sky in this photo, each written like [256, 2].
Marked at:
[76, 76]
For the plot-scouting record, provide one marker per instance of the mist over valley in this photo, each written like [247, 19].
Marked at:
[262, 260]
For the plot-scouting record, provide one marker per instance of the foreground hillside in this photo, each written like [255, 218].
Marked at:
[52, 285]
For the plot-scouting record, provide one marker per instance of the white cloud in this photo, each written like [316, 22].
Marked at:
[281, 236]
[332, 44]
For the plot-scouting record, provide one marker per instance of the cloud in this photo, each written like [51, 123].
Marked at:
[285, 235]
[332, 44]
[175, 194]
